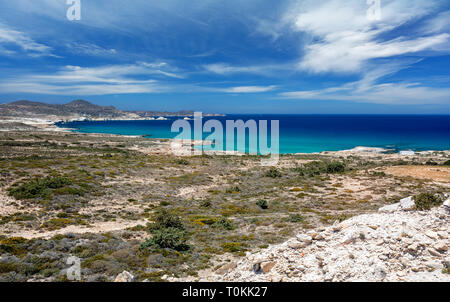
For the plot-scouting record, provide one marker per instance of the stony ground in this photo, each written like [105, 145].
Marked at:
[96, 197]
[396, 246]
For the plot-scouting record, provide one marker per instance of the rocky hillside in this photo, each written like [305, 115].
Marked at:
[396, 244]
[73, 110]
[78, 109]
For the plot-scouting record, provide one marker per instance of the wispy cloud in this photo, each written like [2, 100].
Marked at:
[90, 49]
[369, 90]
[11, 39]
[75, 80]
[343, 39]
[249, 89]
[386, 93]
[262, 69]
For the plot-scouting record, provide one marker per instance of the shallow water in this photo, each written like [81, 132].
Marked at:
[311, 133]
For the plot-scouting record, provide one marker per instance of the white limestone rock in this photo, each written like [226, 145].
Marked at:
[407, 204]
[390, 208]
[124, 277]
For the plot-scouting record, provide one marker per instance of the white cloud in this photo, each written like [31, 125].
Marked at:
[367, 90]
[249, 89]
[387, 93]
[75, 80]
[10, 37]
[344, 40]
[90, 49]
[226, 69]
[263, 69]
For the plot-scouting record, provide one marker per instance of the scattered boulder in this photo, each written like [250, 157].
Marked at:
[407, 204]
[306, 239]
[441, 247]
[263, 267]
[124, 277]
[446, 262]
[447, 204]
[226, 268]
[390, 208]
[267, 266]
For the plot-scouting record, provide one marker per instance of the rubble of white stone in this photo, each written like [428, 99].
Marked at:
[124, 277]
[393, 245]
[406, 204]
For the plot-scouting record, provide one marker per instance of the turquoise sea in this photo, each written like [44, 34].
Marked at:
[311, 133]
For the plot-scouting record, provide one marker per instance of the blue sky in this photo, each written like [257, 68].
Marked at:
[234, 56]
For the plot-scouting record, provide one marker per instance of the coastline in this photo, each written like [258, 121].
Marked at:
[360, 150]
[119, 183]
[52, 125]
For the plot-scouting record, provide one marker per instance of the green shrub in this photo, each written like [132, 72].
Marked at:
[164, 220]
[205, 204]
[311, 169]
[168, 238]
[233, 247]
[431, 163]
[336, 167]
[168, 232]
[181, 161]
[294, 218]
[38, 187]
[13, 246]
[262, 204]
[447, 163]
[6, 267]
[320, 167]
[224, 223]
[273, 173]
[426, 201]
[233, 190]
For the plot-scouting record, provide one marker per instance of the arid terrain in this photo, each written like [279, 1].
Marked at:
[126, 204]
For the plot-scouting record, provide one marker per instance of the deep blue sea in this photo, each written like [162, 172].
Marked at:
[312, 133]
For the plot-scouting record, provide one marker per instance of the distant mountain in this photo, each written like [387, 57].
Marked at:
[78, 109]
[74, 110]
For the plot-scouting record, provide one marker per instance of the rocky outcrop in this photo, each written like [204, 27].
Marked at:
[394, 245]
[124, 277]
[406, 204]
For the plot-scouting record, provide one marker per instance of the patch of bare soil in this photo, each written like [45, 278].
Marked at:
[100, 227]
[441, 174]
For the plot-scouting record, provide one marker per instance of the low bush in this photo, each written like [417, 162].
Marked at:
[234, 247]
[205, 204]
[431, 163]
[38, 187]
[164, 220]
[225, 224]
[321, 167]
[294, 218]
[181, 161]
[168, 232]
[426, 201]
[336, 167]
[233, 190]
[447, 163]
[262, 204]
[168, 238]
[273, 173]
